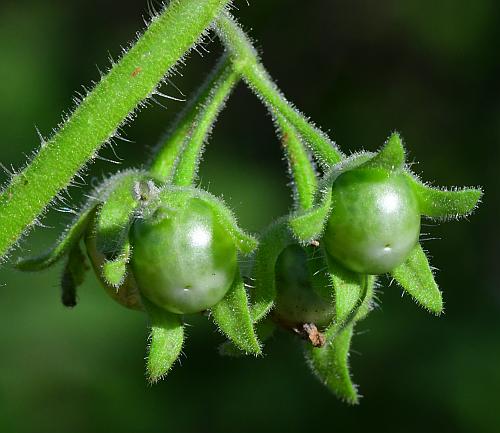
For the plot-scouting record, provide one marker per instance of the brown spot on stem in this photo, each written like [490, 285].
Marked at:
[136, 72]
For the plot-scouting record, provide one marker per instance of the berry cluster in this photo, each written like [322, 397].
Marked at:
[160, 245]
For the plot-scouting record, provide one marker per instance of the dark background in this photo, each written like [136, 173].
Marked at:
[361, 69]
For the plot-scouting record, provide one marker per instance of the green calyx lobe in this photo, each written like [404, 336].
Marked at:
[107, 242]
[391, 156]
[184, 260]
[126, 293]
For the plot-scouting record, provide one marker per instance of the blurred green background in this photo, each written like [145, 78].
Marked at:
[361, 69]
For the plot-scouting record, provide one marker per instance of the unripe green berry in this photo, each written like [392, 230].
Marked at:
[375, 221]
[183, 259]
[304, 293]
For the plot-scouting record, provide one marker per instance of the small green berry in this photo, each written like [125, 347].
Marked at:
[303, 288]
[375, 222]
[183, 259]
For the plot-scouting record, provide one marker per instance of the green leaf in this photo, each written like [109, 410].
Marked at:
[66, 242]
[441, 203]
[330, 363]
[415, 276]
[273, 242]
[391, 157]
[264, 330]
[232, 316]
[73, 275]
[166, 340]
[176, 196]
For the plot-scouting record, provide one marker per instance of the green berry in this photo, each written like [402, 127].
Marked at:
[303, 288]
[183, 259]
[375, 220]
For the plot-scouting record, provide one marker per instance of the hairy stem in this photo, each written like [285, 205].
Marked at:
[301, 167]
[171, 147]
[178, 157]
[102, 111]
[247, 61]
[186, 171]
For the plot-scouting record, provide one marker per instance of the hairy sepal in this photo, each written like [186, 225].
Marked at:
[85, 220]
[368, 302]
[115, 216]
[123, 195]
[264, 330]
[352, 292]
[70, 237]
[165, 341]
[390, 157]
[272, 243]
[233, 318]
[444, 204]
[330, 363]
[115, 271]
[308, 225]
[353, 295]
[416, 278]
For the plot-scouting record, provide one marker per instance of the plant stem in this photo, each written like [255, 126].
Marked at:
[301, 167]
[187, 168]
[170, 148]
[247, 61]
[102, 111]
[178, 157]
